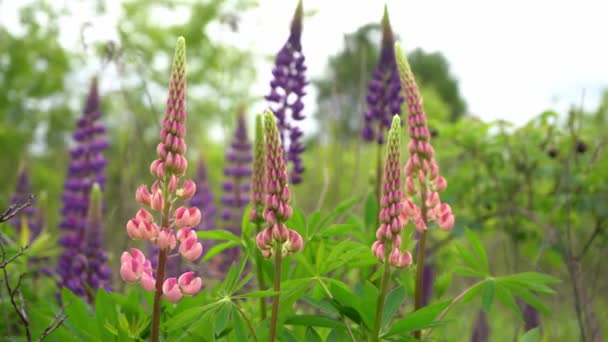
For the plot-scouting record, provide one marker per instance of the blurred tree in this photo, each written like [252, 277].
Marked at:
[433, 70]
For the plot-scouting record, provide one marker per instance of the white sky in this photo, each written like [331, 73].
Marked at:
[513, 58]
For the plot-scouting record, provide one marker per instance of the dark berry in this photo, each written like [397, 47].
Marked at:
[552, 152]
[581, 147]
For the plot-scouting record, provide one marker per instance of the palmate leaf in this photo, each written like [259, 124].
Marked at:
[417, 320]
[314, 321]
[392, 303]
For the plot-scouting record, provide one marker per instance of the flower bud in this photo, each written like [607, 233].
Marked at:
[187, 191]
[187, 217]
[188, 284]
[142, 195]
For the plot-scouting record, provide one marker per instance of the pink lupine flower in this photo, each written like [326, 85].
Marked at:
[168, 169]
[187, 217]
[392, 220]
[187, 191]
[190, 248]
[166, 239]
[143, 196]
[422, 172]
[188, 284]
[171, 290]
[278, 210]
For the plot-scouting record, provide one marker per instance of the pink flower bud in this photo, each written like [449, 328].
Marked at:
[266, 253]
[400, 260]
[161, 150]
[142, 195]
[157, 202]
[147, 281]
[432, 200]
[410, 187]
[269, 216]
[180, 164]
[191, 249]
[133, 229]
[172, 184]
[189, 284]
[132, 265]
[440, 184]
[144, 215]
[187, 217]
[155, 187]
[378, 250]
[295, 241]
[185, 233]
[279, 232]
[187, 191]
[154, 166]
[166, 239]
[171, 290]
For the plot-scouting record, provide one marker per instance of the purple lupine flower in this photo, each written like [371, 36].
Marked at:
[531, 315]
[98, 273]
[428, 281]
[384, 98]
[286, 93]
[481, 329]
[388, 244]
[203, 198]
[236, 188]
[86, 167]
[23, 190]
[276, 236]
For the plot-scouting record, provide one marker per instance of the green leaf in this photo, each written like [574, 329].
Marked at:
[532, 335]
[313, 221]
[533, 281]
[505, 297]
[417, 320]
[369, 301]
[218, 235]
[370, 211]
[189, 316]
[337, 230]
[487, 295]
[314, 321]
[217, 249]
[392, 303]
[297, 221]
[337, 335]
[312, 335]
[469, 259]
[221, 317]
[257, 294]
[480, 252]
[240, 327]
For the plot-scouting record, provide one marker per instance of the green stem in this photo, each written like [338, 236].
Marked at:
[277, 289]
[260, 276]
[454, 302]
[248, 321]
[380, 305]
[419, 276]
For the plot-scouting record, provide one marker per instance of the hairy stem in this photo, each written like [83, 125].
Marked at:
[380, 305]
[419, 276]
[277, 288]
[260, 276]
[160, 271]
[248, 321]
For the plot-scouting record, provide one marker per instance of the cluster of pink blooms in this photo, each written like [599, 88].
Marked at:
[168, 168]
[421, 170]
[388, 235]
[277, 208]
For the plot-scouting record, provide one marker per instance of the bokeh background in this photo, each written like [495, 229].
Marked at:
[516, 93]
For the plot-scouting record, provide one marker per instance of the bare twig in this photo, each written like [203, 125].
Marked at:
[19, 309]
[14, 209]
[57, 321]
[596, 231]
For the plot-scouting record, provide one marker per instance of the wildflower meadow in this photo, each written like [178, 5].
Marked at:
[148, 194]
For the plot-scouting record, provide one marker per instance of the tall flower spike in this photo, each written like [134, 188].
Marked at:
[98, 273]
[173, 232]
[236, 188]
[29, 214]
[86, 167]
[286, 94]
[422, 172]
[384, 98]
[257, 180]
[277, 208]
[388, 235]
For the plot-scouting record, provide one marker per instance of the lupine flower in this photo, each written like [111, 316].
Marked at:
[236, 188]
[531, 315]
[98, 273]
[203, 198]
[384, 98]
[168, 168]
[23, 190]
[481, 329]
[388, 235]
[286, 93]
[277, 208]
[86, 167]
[422, 172]
[257, 180]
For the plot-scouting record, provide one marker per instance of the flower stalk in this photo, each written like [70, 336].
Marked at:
[423, 182]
